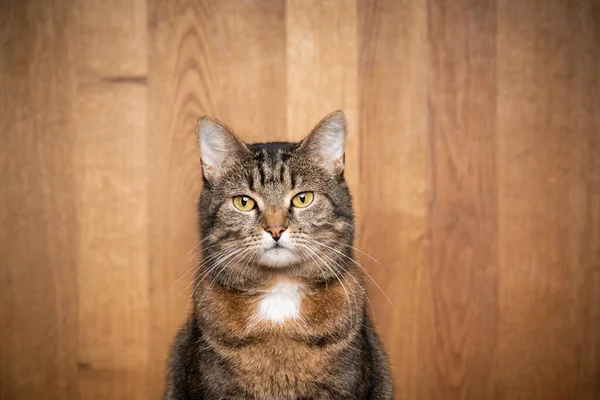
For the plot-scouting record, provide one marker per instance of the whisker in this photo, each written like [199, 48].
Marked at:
[339, 280]
[195, 247]
[192, 268]
[213, 264]
[305, 252]
[360, 266]
[238, 254]
[248, 248]
[220, 261]
[360, 251]
[251, 258]
[197, 264]
[205, 262]
[231, 253]
[339, 269]
[365, 292]
[354, 228]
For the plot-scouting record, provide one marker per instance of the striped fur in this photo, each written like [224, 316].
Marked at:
[312, 338]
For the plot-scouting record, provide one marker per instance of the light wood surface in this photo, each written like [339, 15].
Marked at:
[473, 157]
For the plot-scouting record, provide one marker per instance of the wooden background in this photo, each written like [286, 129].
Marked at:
[474, 159]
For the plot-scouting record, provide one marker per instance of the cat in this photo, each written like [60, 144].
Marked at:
[279, 303]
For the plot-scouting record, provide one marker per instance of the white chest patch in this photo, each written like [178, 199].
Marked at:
[281, 303]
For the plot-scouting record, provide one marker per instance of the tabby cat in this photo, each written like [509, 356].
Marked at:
[279, 303]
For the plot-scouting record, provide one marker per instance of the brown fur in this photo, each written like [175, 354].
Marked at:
[225, 351]
[278, 351]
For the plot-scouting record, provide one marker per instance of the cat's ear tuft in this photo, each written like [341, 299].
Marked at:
[326, 142]
[219, 147]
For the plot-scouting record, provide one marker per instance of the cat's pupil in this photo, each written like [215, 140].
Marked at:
[244, 201]
[302, 198]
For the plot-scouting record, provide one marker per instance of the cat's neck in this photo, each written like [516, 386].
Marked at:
[261, 279]
[285, 302]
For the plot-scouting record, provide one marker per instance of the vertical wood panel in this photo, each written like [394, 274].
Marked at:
[249, 55]
[549, 200]
[463, 220]
[108, 42]
[225, 59]
[180, 79]
[321, 45]
[394, 182]
[38, 213]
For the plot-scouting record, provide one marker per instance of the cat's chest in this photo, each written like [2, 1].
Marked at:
[286, 308]
[280, 303]
[281, 340]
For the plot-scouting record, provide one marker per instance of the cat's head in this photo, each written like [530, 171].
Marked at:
[273, 207]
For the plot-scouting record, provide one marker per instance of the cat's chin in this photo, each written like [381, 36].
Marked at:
[278, 257]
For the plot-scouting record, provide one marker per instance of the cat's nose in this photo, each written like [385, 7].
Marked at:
[276, 231]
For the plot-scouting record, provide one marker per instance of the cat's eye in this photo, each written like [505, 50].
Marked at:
[303, 199]
[244, 203]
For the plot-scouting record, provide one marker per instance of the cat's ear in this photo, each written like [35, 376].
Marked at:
[219, 147]
[326, 142]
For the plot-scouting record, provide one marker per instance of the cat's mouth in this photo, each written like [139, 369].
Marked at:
[277, 254]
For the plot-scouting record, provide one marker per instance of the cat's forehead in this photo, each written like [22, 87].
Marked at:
[272, 152]
[270, 171]
[273, 171]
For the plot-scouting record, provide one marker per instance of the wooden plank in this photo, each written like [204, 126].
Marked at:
[321, 50]
[225, 59]
[394, 183]
[38, 226]
[109, 116]
[463, 219]
[549, 209]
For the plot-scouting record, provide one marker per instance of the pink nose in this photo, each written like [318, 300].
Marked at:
[276, 231]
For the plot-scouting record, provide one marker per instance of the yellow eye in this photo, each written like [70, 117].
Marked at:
[243, 203]
[303, 199]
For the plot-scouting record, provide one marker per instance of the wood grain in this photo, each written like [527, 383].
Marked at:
[395, 161]
[548, 200]
[463, 202]
[473, 157]
[321, 70]
[224, 59]
[109, 158]
[38, 214]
